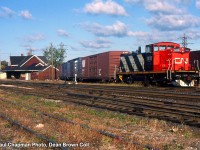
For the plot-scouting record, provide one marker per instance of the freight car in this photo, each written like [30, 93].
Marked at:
[72, 70]
[161, 63]
[195, 59]
[94, 68]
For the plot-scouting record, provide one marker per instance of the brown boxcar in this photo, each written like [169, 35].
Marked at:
[194, 55]
[102, 66]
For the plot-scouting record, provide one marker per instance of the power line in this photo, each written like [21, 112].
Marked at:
[185, 41]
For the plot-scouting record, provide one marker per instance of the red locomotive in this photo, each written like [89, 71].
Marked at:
[162, 63]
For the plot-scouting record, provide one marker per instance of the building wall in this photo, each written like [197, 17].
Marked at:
[45, 75]
[33, 60]
[3, 75]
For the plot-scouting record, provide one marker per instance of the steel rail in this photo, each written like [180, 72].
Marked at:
[102, 132]
[91, 101]
[38, 135]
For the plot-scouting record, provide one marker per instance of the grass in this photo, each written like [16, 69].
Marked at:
[143, 130]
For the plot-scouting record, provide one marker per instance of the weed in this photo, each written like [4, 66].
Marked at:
[187, 135]
[50, 104]
[8, 125]
[24, 97]
[53, 138]
[106, 140]
[121, 117]
[97, 113]
[134, 120]
[71, 116]
[172, 147]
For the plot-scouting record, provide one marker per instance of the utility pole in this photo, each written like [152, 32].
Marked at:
[51, 49]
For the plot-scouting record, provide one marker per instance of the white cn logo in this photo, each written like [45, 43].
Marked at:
[180, 60]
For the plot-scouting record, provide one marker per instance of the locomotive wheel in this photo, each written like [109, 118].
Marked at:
[129, 80]
[146, 82]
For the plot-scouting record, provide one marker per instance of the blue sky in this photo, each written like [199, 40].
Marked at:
[88, 27]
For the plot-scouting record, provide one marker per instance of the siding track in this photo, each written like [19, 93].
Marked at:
[179, 105]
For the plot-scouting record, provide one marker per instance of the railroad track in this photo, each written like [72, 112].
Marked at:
[167, 105]
[31, 131]
[102, 132]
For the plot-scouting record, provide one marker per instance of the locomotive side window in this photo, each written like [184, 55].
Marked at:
[169, 47]
[176, 50]
[155, 48]
[149, 49]
[161, 48]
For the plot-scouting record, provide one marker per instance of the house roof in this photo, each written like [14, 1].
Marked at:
[15, 60]
[19, 60]
[33, 67]
[18, 63]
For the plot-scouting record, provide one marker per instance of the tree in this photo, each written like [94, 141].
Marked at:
[4, 64]
[55, 56]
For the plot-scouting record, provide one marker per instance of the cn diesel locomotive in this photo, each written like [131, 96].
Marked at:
[161, 63]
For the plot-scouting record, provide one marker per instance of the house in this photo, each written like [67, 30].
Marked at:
[30, 67]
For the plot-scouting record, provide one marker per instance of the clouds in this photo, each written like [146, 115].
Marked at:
[165, 7]
[159, 6]
[97, 43]
[98, 24]
[30, 48]
[108, 7]
[167, 18]
[169, 15]
[34, 37]
[62, 32]
[6, 12]
[198, 4]
[174, 22]
[117, 29]
[25, 14]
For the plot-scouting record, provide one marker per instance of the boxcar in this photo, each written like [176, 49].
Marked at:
[195, 59]
[72, 69]
[101, 67]
[64, 70]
